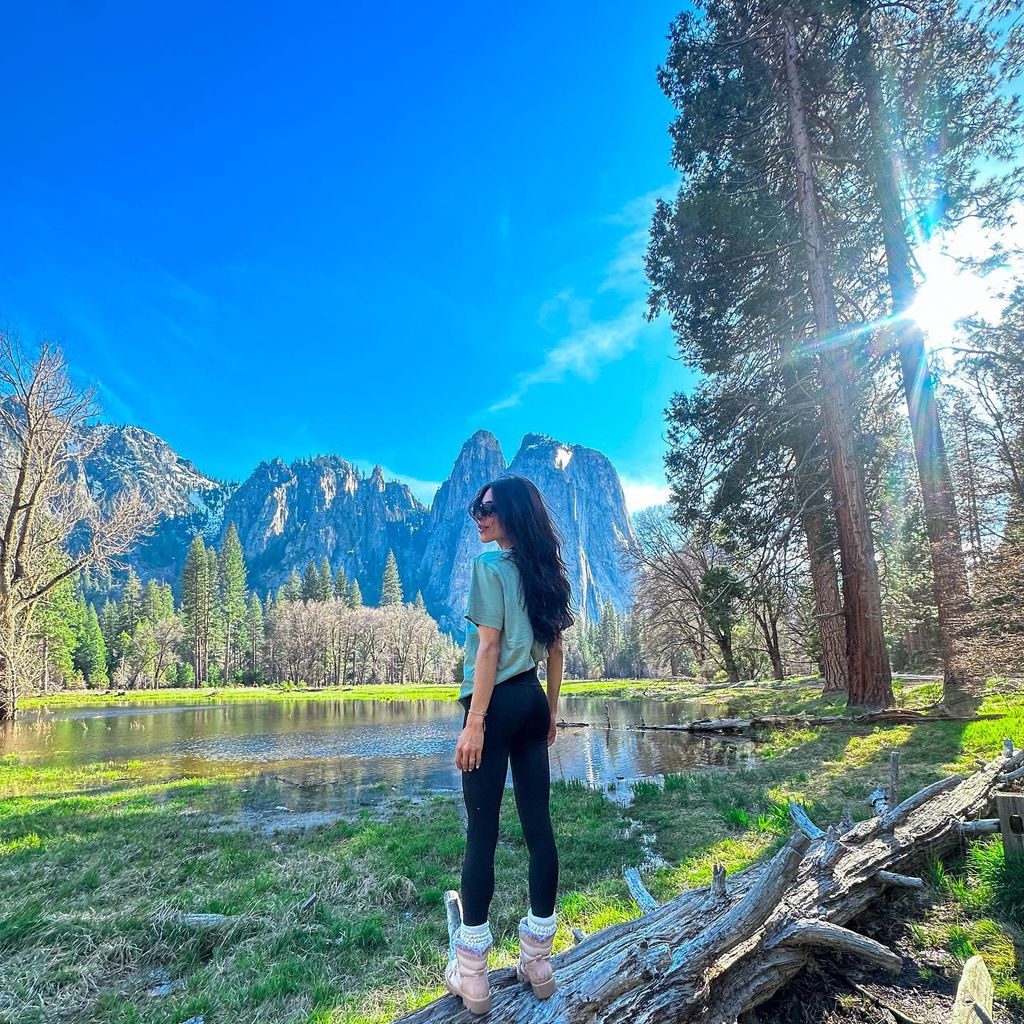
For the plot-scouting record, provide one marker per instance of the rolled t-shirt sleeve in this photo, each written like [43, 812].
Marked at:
[486, 603]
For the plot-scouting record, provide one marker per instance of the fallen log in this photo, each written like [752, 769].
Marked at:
[713, 953]
[895, 716]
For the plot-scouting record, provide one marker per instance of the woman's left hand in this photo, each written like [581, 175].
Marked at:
[552, 731]
[470, 748]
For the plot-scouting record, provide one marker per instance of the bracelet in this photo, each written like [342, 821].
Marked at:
[482, 714]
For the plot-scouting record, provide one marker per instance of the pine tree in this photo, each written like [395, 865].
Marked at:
[152, 602]
[326, 582]
[749, 219]
[310, 583]
[419, 604]
[292, 589]
[341, 586]
[214, 619]
[109, 615]
[255, 637]
[91, 655]
[355, 599]
[233, 590]
[109, 618]
[610, 639]
[55, 627]
[391, 584]
[195, 595]
[942, 75]
[130, 607]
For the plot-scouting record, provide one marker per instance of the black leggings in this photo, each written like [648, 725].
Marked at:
[516, 730]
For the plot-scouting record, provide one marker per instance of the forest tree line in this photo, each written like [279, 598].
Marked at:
[843, 488]
[313, 631]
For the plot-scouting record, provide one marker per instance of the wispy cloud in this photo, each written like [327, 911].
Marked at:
[583, 352]
[591, 342]
[641, 494]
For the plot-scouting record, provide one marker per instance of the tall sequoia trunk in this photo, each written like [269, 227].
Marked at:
[828, 602]
[808, 479]
[949, 567]
[870, 678]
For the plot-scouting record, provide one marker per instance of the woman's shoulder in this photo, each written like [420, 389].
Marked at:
[491, 557]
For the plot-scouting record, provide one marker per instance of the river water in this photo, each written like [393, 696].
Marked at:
[319, 755]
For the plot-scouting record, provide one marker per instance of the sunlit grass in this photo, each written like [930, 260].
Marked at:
[99, 862]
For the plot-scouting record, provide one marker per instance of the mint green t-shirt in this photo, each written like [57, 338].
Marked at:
[496, 600]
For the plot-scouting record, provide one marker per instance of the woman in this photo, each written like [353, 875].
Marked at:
[517, 608]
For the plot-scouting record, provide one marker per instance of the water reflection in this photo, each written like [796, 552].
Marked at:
[318, 755]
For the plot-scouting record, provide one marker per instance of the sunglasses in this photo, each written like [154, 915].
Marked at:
[482, 510]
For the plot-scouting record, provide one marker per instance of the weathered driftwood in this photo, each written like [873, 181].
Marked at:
[453, 914]
[973, 995]
[643, 899]
[893, 793]
[803, 822]
[757, 722]
[879, 801]
[981, 827]
[710, 954]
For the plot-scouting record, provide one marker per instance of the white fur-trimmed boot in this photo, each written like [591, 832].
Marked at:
[535, 960]
[466, 976]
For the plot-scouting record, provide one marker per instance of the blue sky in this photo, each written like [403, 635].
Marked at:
[281, 230]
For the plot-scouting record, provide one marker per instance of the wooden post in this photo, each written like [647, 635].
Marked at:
[973, 995]
[1011, 823]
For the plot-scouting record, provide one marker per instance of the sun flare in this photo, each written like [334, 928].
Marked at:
[948, 293]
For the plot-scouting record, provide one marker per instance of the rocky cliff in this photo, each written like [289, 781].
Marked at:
[288, 516]
[324, 507]
[188, 501]
[452, 536]
[584, 495]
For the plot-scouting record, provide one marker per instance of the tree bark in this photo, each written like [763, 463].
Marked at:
[949, 568]
[724, 641]
[870, 677]
[8, 688]
[828, 602]
[770, 631]
[808, 480]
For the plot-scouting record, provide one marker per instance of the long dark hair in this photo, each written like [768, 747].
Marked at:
[536, 549]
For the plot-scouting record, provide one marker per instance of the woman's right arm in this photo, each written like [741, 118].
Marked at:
[554, 681]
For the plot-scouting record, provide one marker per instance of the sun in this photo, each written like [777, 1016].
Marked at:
[948, 293]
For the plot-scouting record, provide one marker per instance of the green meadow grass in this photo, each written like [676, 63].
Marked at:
[99, 864]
